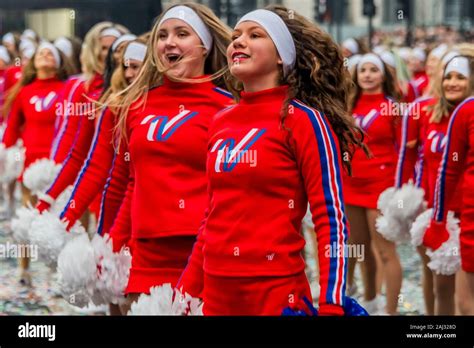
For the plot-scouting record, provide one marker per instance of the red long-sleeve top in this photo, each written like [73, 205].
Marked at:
[33, 116]
[166, 194]
[457, 160]
[100, 172]
[78, 135]
[260, 182]
[417, 86]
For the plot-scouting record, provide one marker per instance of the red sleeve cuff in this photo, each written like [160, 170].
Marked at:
[330, 309]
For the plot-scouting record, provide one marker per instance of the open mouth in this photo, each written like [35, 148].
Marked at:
[173, 57]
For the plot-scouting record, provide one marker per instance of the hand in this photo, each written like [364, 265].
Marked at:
[435, 235]
[42, 206]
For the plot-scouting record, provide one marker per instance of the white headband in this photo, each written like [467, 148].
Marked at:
[9, 38]
[26, 43]
[448, 56]
[419, 54]
[353, 60]
[64, 45]
[135, 51]
[371, 58]
[439, 50]
[351, 45]
[190, 17]
[388, 59]
[28, 34]
[110, 32]
[458, 64]
[278, 32]
[4, 54]
[121, 39]
[404, 52]
[54, 51]
[28, 52]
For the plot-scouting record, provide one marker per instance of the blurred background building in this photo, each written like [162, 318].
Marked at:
[342, 18]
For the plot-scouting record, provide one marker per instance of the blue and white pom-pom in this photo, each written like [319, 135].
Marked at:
[351, 309]
[164, 300]
[40, 175]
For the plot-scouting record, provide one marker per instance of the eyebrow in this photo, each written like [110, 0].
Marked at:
[176, 28]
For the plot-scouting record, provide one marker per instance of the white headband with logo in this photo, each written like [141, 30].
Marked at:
[190, 17]
[458, 64]
[371, 58]
[4, 54]
[110, 32]
[122, 39]
[278, 32]
[54, 51]
[64, 45]
[135, 51]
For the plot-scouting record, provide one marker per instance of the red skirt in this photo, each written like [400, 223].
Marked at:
[254, 295]
[466, 239]
[158, 261]
[365, 192]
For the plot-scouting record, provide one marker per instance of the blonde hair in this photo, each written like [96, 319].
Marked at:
[443, 107]
[91, 48]
[152, 71]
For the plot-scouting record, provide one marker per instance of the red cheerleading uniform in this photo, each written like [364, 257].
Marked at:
[73, 89]
[33, 116]
[98, 173]
[248, 254]
[12, 76]
[77, 135]
[2, 89]
[371, 176]
[410, 159]
[166, 196]
[417, 86]
[457, 165]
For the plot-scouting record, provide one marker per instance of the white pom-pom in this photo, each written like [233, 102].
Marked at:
[60, 202]
[113, 271]
[21, 224]
[164, 300]
[77, 270]
[385, 199]
[39, 175]
[419, 226]
[407, 202]
[50, 235]
[446, 260]
[14, 162]
[392, 229]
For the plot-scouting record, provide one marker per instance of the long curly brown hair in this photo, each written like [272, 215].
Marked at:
[320, 80]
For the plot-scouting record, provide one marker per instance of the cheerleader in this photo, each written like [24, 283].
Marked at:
[32, 107]
[78, 131]
[420, 81]
[453, 192]
[373, 103]
[4, 62]
[267, 157]
[11, 42]
[165, 128]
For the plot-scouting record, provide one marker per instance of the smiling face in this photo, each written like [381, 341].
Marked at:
[455, 86]
[180, 49]
[44, 60]
[370, 78]
[252, 55]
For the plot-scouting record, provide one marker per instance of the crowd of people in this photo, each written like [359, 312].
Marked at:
[207, 155]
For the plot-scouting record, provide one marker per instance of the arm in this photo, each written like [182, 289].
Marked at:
[94, 172]
[318, 158]
[450, 171]
[15, 122]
